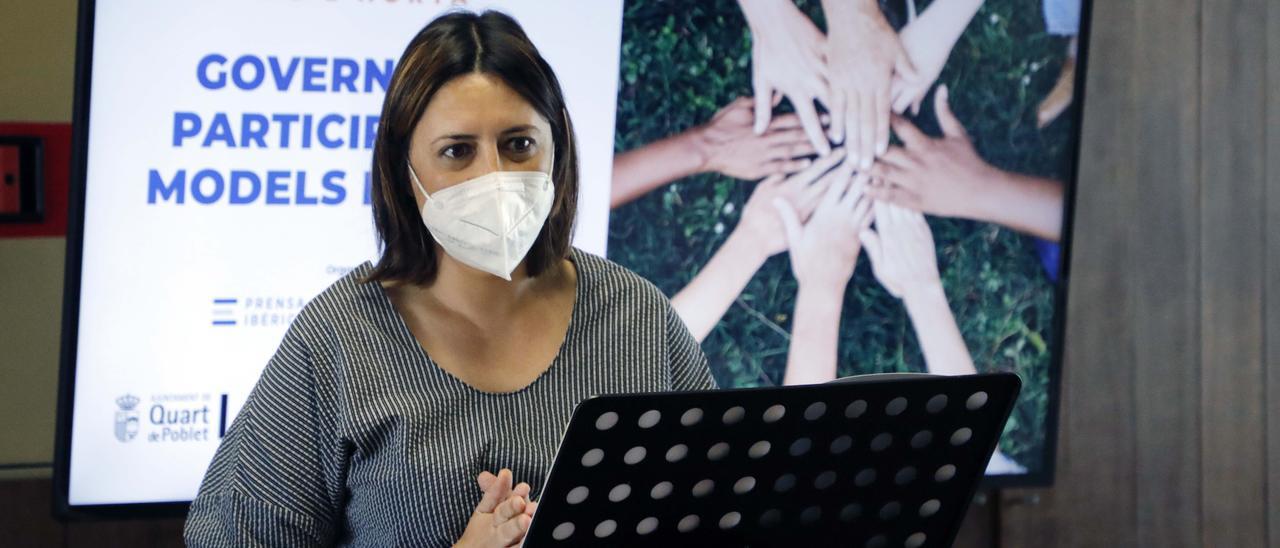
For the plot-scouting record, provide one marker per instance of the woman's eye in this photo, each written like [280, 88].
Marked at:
[456, 151]
[520, 144]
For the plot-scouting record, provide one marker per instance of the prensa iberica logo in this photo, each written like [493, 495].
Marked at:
[127, 417]
[256, 310]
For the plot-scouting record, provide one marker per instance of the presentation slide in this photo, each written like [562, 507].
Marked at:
[970, 191]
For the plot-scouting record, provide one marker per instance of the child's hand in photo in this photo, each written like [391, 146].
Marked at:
[824, 250]
[863, 53]
[729, 145]
[941, 176]
[787, 58]
[901, 249]
[928, 41]
[761, 223]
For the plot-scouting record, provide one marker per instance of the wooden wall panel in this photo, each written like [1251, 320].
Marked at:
[125, 534]
[26, 522]
[24, 515]
[1232, 152]
[1271, 237]
[1165, 275]
[1176, 254]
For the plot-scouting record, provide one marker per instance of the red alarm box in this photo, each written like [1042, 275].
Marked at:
[10, 189]
[21, 196]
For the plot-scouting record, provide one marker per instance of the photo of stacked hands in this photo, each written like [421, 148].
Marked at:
[850, 142]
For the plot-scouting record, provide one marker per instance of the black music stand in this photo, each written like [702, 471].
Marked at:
[879, 462]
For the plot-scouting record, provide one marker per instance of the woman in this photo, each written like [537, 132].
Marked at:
[400, 388]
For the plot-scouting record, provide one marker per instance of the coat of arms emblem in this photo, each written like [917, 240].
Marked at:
[127, 417]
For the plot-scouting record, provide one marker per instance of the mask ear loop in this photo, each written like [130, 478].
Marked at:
[568, 137]
[568, 131]
[414, 177]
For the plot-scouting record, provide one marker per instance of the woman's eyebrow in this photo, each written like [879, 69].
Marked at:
[520, 129]
[471, 137]
[455, 137]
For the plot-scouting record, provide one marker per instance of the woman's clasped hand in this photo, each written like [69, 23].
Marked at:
[503, 516]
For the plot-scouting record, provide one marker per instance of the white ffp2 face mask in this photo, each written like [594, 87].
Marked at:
[489, 222]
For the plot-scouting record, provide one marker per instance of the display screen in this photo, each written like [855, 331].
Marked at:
[881, 188]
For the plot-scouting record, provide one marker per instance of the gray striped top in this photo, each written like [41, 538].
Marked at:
[354, 437]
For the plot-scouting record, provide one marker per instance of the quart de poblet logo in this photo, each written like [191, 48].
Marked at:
[171, 418]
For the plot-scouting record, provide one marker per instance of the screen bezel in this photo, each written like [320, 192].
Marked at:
[1045, 476]
[62, 508]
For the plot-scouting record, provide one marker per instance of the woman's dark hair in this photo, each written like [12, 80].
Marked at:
[453, 45]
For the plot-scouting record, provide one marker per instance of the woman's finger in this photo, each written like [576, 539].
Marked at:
[884, 220]
[783, 124]
[815, 170]
[498, 491]
[911, 136]
[786, 136]
[867, 126]
[901, 221]
[897, 195]
[836, 109]
[512, 531]
[783, 167]
[763, 92]
[800, 150]
[857, 187]
[919, 225]
[853, 132]
[862, 216]
[511, 508]
[884, 171]
[812, 127]
[485, 479]
[521, 490]
[788, 149]
[790, 221]
[840, 179]
[901, 177]
[901, 94]
[770, 181]
[899, 157]
[951, 126]
[790, 121]
[810, 198]
[881, 106]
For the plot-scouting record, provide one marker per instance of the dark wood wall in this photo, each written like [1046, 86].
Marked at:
[25, 522]
[1173, 340]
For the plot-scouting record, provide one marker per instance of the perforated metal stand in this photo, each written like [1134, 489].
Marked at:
[887, 462]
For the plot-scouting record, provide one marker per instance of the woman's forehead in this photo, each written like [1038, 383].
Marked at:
[478, 102]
